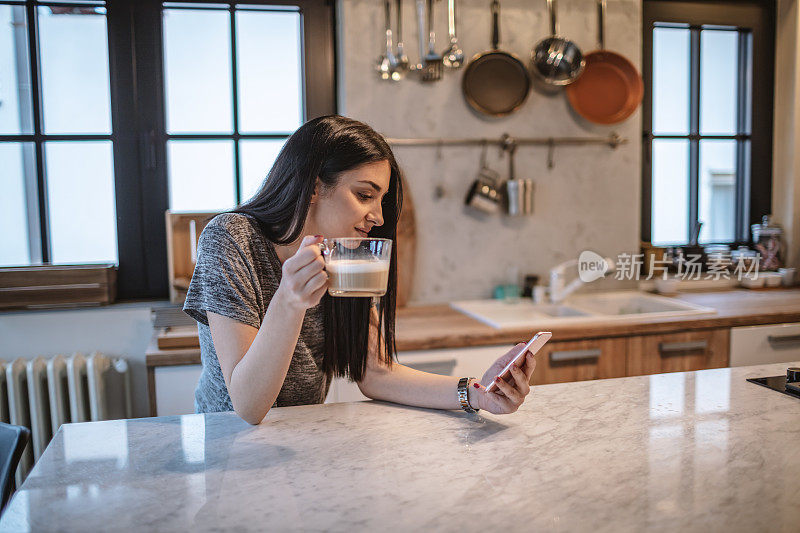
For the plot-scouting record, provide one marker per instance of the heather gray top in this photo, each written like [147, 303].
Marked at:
[236, 275]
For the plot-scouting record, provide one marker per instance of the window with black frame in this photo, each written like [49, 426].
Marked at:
[56, 142]
[707, 121]
[113, 112]
[233, 94]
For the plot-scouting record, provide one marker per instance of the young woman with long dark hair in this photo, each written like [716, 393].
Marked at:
[270, 335]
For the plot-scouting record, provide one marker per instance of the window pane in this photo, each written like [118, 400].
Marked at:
[718, 81]
[717, 190]
[670, 204]
[201, 175]
[268, 46]
[671, 80]
[15, 82]
[256, 158]
[80, 196]
[14, 243]
[197, 66]
[74, 64]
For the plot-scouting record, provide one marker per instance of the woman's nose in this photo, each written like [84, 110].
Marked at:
[376, 217]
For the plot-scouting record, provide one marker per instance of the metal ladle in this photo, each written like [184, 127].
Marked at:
[403, 64]
[387, 64]
[453, 57]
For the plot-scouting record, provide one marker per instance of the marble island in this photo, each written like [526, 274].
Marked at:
[692, 451]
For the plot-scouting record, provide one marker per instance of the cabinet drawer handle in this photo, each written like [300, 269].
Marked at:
[574, 355]
[671, 348]
[783, 341]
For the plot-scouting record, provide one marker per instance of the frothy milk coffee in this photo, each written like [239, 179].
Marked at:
[357, 277]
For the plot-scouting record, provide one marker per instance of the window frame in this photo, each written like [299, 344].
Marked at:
[754, 116]
[138, 129]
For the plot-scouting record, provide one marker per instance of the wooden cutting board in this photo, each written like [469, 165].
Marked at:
[178, 337]
[406, 248]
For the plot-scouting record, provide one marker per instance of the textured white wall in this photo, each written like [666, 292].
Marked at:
[590, 200]
[786, 163]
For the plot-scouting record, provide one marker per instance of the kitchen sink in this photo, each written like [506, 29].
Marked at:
[592, 307]
[622, 303]
[559, 310]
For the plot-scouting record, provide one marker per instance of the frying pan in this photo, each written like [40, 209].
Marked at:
[496, 83]
[610, 88]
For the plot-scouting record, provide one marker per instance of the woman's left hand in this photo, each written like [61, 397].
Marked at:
[508, 396]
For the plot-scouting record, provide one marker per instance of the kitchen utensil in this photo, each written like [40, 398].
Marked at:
[453, 57]
[610, 88]
[484, 194]
[401, 57]
[556, 61]
[771, 279]
[519, 192]
[387, 64]
[431, 61]
[667, 286]
[787, 275]
[768, 241]
[753, 281]
[496, 83]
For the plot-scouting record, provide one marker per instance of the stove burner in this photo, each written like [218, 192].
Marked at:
[788, 384]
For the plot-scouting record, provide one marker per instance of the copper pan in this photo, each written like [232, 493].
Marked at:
[610, 88]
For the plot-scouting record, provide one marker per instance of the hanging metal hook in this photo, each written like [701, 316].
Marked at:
[484, 152]
[551, 148]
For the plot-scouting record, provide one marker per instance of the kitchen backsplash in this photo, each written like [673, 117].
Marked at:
[590, 200]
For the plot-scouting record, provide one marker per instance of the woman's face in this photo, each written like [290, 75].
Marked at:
[353, 207]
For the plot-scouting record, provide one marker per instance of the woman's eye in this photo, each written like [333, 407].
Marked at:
[364, 196]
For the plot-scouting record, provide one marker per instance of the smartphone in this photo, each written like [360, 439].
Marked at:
[534, 345]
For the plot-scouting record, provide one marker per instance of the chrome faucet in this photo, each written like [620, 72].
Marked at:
[558, 290]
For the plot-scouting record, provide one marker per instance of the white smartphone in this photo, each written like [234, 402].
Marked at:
[534, 345]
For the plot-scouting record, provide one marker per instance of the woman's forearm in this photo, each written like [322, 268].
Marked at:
[258, 377]
[408, 386]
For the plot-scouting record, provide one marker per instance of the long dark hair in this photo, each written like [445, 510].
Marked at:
[324, 148]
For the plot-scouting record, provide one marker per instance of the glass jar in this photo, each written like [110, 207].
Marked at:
[768, 242]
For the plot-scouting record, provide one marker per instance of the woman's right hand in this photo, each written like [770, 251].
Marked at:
[303, 279]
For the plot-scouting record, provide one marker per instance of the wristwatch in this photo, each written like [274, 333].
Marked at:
[463, 397]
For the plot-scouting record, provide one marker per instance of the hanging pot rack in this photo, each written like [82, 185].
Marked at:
[506, 142]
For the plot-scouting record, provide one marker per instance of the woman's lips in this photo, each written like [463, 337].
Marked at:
[362, 232]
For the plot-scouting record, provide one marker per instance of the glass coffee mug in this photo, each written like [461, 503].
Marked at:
[357, 267]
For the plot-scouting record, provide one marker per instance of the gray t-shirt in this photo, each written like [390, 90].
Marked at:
[236, 275]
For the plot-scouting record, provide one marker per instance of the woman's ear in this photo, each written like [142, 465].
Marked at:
[315, 196]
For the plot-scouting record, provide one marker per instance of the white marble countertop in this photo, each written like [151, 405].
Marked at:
[698, 451]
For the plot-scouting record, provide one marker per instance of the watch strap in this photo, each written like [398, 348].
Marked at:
[463, 397]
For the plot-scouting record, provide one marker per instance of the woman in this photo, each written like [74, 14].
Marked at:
[270, 335]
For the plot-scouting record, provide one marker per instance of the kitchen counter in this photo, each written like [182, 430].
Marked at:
[430, 327]
[693, 451]
[427, 327]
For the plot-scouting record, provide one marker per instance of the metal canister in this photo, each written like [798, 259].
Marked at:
[519, 197]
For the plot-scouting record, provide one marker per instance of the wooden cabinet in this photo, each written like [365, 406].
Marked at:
[558, 362]
[678, 352]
